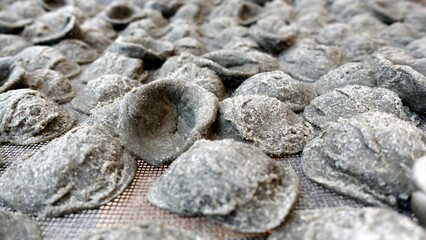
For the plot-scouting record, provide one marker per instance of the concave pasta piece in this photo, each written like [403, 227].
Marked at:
[272, 34]
[120, 13]
[295, 94]
[52, 83]
[103, 90]
[320, 58]
[164, 118]
[11, 45]
[264, 121]
[160, 120]
[348, 223]
[43, 57]
[10, 23]
[234, 66]
[242, 12]
[52, 27]
[52, 5]
[352, 100]
[83, 169]
[77, 50]
[232, 183]
[29, 117]
[112, 63]
[371, 161]
[352, 73]
[203, 77]
[11, 74]
[408, 83]
[153, 52]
